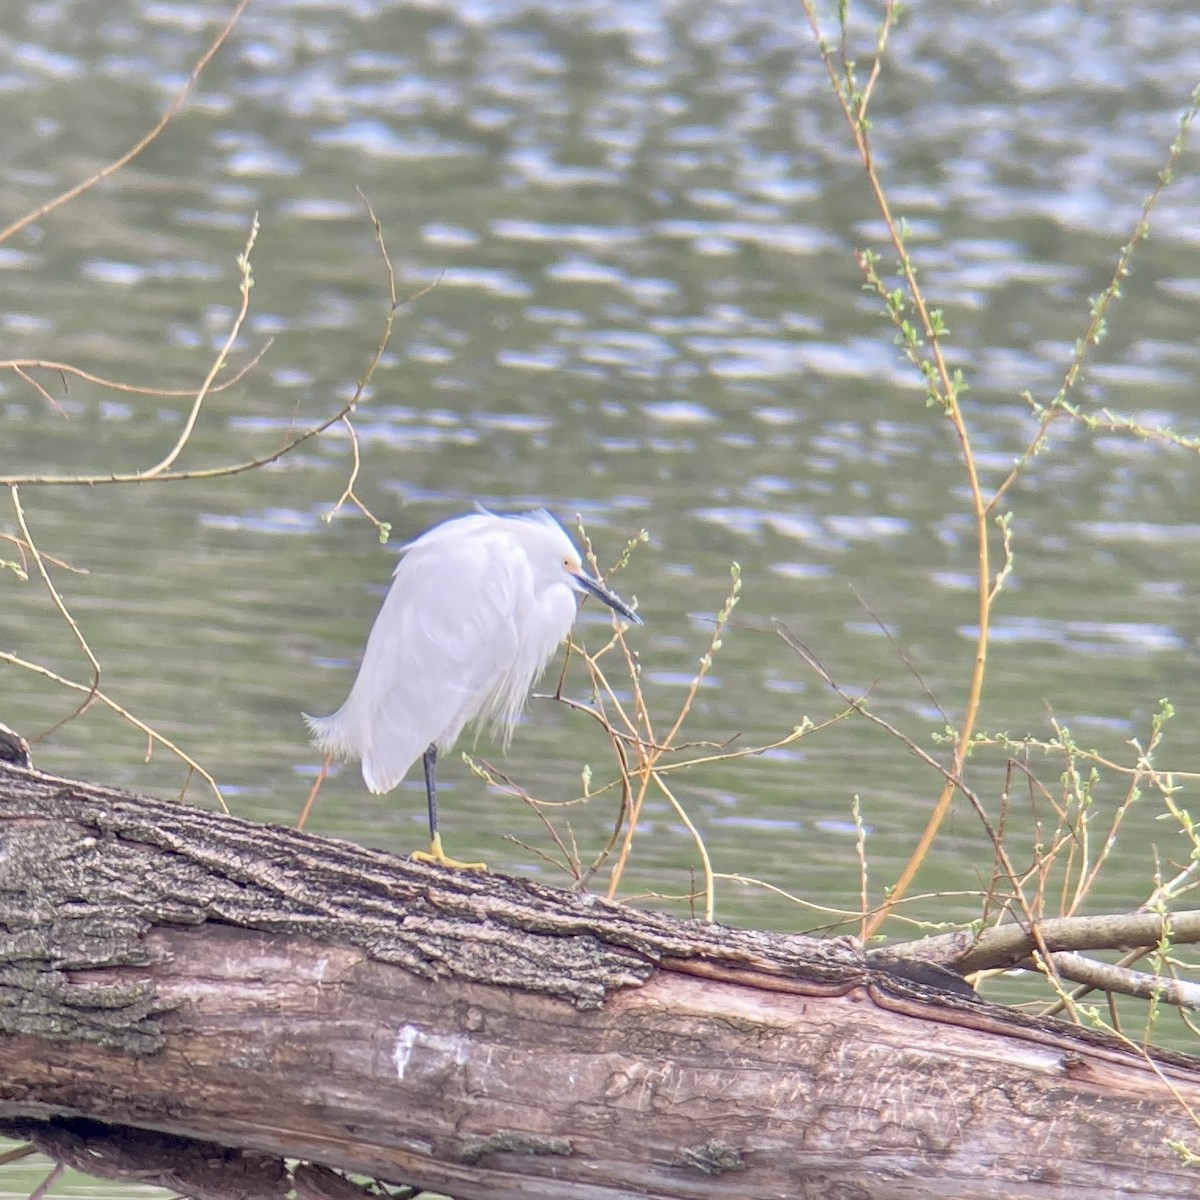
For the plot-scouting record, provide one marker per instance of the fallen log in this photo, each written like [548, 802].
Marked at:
[193, 998]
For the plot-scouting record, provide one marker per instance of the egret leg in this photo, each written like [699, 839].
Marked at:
[436, 854]
[429, 763]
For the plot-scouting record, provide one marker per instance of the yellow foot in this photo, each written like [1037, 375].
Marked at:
[436, 856]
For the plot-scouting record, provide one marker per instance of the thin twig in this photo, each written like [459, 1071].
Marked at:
[648, 762]
[941, 384]
[64, 612]
[152, 734]
[953, 780]
[61, 563]
[860, 854]
[281, 451]
[23, 365]
[902, 654]
[1058, 407]
[394, 304]
[37, 387]
[237, 468]
[43, 1188]
[701, 849]
[168, 115]
[189, 424]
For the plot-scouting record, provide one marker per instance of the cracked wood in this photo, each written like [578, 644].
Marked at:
[209, 978]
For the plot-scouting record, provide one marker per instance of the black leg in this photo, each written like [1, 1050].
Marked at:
[436, 853]
[429, 762]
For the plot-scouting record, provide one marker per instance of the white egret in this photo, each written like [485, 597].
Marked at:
[477, 607]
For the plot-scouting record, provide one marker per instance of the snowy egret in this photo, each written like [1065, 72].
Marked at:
[477, 607]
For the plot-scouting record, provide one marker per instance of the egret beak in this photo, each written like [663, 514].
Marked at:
[594, 587]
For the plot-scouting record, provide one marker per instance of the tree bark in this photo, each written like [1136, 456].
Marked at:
[194, 998]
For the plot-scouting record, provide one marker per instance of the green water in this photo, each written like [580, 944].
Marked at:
[642, 222]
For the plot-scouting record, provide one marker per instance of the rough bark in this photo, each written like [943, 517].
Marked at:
[223, 995]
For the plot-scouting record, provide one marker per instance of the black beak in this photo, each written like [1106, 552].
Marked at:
[595, 588]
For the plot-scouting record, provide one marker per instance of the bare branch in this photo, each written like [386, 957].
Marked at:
[168, 116]
[921, 340]
[152, 734]
[21, 366]
[1009, 945]
[222, 356]
[60, 604]
[182, 476]
[1107, 977]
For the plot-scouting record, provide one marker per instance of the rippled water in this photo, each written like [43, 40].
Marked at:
[640, 220]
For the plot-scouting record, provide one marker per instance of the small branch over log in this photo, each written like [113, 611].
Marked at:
[1137, 933]
[1010, 945]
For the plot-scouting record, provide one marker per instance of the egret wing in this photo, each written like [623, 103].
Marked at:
[446, 634]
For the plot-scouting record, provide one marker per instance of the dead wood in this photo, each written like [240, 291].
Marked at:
[258, 994]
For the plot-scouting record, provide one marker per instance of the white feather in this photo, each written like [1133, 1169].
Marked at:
[477, 607]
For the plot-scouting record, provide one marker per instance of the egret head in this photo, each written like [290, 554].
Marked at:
[580, 581]
[557, 548]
